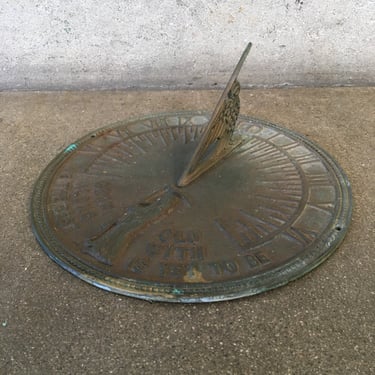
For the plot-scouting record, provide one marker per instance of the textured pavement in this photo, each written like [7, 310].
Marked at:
[54, 323]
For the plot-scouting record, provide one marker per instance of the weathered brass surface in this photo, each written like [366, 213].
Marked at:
[149, 207]
[108, 210]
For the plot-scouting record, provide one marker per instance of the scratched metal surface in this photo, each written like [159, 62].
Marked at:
[108, 210]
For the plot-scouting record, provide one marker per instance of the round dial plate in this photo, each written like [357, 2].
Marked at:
[108, 210]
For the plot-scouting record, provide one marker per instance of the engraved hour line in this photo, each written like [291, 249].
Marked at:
[285, 176]
[290, 197]
[233, 235]
[185, 135]
[293, 189]
[96, 171]
[162, 138]
[125, 153]
[302, 236]
[272, 136]
[90, 148]
[288, 179]
[258, 223]
[269, 152]
[259, 144]
[280, 178]
[267, 191]
[142, 139]
[127, 147]
[322, 206]
[289, 206]
[275, 212]
[168, 133]
[145, 139]
[285, 198]
[135, 142]
[275, 221]
[276, 166]
[263, 154]
[195, 133]
[289, 183]
[148, 136]
[251, 144]
[251, 229]
[132, 142]
[278, 198]
[279, 222]
[306, 158]
[189, 134]
[318, 179]
[99, 158]
[99, 168]
[173, 131]
[263, 151]
[293, 194]
[155, 136]
[270, 156]
[290, 146]
[112, 136]
[272, 161]
[292, 185]
[288, 187]
[284, 204]
[290, 210]
[109, 158]
[255, 142]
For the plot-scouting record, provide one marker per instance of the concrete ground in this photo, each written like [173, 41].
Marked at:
[53, 323]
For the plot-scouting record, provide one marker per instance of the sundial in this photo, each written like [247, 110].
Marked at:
[192, 206]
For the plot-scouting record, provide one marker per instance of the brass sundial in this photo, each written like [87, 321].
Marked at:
[192, 206]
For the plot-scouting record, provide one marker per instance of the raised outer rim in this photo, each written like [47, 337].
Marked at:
[322, 249]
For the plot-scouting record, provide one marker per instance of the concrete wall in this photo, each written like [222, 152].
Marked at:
[53, 44]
